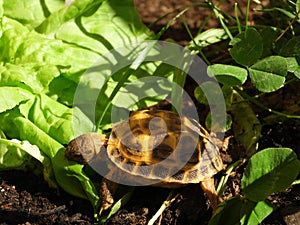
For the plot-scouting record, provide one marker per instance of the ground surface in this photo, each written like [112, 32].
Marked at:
[27, 199]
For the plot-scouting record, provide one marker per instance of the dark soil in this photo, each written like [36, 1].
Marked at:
[25, 198]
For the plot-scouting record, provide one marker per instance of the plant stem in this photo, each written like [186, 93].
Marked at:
[247, 15]
[255, 102]
[165, 205]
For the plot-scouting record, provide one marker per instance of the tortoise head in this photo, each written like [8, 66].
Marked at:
[86, 147]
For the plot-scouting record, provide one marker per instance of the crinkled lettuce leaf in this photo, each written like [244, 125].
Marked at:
[50, 50]
[12, 96]
[68, 175]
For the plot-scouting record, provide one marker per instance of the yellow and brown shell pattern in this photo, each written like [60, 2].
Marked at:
[156, 145]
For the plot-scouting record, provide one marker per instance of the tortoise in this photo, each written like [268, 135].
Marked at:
[157, 146]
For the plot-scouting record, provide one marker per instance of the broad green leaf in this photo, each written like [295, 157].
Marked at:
[253, 213]
[228, 96]
[213, 88]
[11, 38]
[228, 212]
[72, 179]
[291, 47]
[227, 74]
[29, 131]
[246, 127]
[269, 35]
[34, 77]
[217, 127]
[144, 85]
[1, 16]
[55, 119]
[200, 96]
[30, 12]
[297, 73]
[269, 74]
[247, 47]
[67, 13]
[209, 93]
[123, 26]
[208, 37]
[292, 64]
[62, 90]
[12, 96]
[270, 170]
[21, 46]
[13, 156]
[71, 38]
[68, 175]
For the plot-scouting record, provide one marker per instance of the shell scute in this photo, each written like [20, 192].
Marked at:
[172, 149]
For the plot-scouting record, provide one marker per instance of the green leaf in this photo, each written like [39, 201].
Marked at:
[12, 96]
[122, 26]
[62, 90]
[218, 127]
[200, 96]
[292, 64]
[281, 10]
[269, 74]
[21, 46]
[68, 175]
[32, 76]
[30, 12]
[1, 15]
[227, 74]
[270, 170]
[238, 210]
[117, 206]
[297, 73]
[214, 90]
[71, 11]
[208, 37]
[247, 47]
[291, 47]
[216, 121]
[246, 127]
[13, 156]
[72, 179]
[269, 35]
[253, 213]
[55, 119]
[228, 212]
[52, 61]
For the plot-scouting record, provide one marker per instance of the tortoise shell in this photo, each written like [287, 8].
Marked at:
[155, 145]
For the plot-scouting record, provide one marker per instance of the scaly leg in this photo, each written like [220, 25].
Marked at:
[107, 190]
[208, 187]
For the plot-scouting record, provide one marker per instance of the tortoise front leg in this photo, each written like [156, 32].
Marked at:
[208, 187]
[107, 190]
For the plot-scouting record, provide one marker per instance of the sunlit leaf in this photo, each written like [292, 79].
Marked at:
[269, 74]
[253, 213]
[227, 74]
[270, 170]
